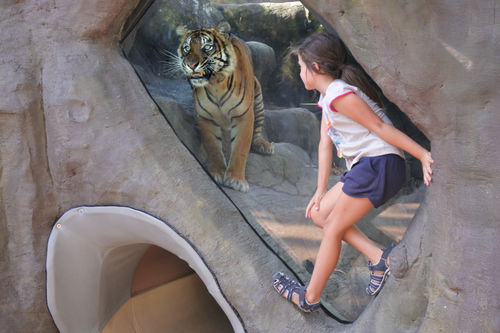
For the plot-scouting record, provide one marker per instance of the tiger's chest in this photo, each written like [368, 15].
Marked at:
[223, 101]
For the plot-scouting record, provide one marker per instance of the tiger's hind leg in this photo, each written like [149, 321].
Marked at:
[259, 144]
[211, 138]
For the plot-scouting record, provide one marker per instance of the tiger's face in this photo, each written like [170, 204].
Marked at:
[205, 53]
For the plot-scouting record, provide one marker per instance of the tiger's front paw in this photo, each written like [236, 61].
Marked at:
[236, 184]
[218, 177]
[263, 147]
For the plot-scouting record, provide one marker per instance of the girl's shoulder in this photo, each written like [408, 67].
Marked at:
[339, 88]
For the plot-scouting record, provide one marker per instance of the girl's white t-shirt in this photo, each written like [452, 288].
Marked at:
[352, 140]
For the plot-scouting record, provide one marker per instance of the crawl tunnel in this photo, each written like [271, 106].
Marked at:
[116, 269]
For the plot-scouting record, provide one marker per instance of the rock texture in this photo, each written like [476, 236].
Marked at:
[439, 62]
[78, 128]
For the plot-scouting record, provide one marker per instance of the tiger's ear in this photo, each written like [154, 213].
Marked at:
[224, 28]
[181, 30]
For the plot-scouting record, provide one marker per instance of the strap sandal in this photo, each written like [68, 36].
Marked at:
[377, 281]
[283, 283]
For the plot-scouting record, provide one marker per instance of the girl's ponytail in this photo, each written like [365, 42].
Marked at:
[354, 76]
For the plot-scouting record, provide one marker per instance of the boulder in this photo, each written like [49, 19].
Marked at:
[298, 126]
[264, 65]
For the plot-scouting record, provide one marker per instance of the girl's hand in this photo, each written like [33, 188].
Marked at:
[314, 203]
[426, 161]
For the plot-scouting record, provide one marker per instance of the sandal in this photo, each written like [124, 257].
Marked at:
[377, 281]
[293, 287]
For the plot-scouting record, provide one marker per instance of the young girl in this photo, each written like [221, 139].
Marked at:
[372, 148]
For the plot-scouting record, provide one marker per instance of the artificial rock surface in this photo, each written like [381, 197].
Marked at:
[439, 62]
[78, 128]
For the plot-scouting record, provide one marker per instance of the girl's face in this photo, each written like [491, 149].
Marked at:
[306, 75]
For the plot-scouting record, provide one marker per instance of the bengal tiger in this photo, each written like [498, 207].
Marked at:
[227, 99]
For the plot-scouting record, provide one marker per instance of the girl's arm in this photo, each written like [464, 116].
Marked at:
[325, 153]
[355, 108]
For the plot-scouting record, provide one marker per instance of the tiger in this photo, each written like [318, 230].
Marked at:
[227, 100]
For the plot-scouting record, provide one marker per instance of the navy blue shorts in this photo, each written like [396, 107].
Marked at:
[377, 178]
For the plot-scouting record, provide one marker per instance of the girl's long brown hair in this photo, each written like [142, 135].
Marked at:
[328, 51]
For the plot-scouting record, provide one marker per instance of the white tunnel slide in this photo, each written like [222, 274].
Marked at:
[92, 255]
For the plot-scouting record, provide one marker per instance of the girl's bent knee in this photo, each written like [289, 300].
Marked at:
[317, 219]
[333, 230]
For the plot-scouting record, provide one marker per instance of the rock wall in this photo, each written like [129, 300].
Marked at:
[439, 62]
[77, 128]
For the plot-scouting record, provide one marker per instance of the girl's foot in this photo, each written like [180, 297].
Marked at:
[379, 272]
[294, 292]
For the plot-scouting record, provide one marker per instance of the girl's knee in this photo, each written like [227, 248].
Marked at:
[334, 230]
[317, 218]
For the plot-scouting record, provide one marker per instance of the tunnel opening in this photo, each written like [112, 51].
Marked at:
[167, 294]
[116, 269]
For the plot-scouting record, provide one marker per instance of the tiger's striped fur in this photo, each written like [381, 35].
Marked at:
[227, 99]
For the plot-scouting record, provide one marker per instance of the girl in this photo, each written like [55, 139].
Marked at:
[372, 148]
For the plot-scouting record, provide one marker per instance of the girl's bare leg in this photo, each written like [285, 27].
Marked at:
[346, 211]
[353, 236]
[330, 245]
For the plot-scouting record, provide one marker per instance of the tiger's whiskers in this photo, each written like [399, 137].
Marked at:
[172, 65]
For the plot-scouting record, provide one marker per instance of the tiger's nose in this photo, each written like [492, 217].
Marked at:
[192, 65]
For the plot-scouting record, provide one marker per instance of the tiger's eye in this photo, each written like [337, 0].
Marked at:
[207, 48]
[186, 48]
